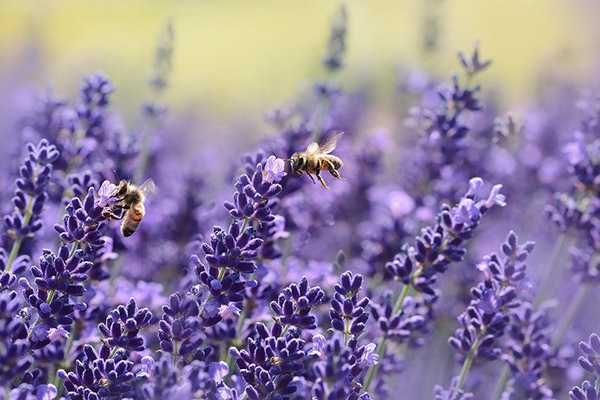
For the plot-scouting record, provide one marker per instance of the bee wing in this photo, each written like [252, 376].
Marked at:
[312, 148]
[328, 144]
[148, 187]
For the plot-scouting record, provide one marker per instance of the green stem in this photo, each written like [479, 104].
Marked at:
[285, 329]
[346, 332]
[467, 365]
[382, 342]
[374, 368]
[221, 274]
[175, 351]
[244, 225]
[244, 396]
[73, 249]
[14, 252]
[113, 351]
[240, 324]
[570, 314]
[404, 293]
[501, 383]
[551, 274]
[397, 307]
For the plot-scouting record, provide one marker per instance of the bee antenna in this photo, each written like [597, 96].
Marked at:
[116, 175]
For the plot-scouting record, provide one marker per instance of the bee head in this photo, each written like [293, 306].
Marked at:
[122, 188]
[296, 163]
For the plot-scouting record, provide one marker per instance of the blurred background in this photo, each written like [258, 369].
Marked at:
[235, 59]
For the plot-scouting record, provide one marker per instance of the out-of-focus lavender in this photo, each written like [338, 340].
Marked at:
[244, 280]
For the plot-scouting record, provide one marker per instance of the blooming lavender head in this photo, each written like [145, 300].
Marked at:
[251, 199]
[347, 310]
[490, 310]
[270, 362]
[295, 303]
[30, 195]
[442, 244]
[589, 361]
[123, 325]
[83, 222]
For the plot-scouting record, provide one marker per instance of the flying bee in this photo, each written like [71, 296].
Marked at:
[130, 201]
[317, 158]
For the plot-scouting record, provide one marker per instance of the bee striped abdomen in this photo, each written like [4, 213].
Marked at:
[133, 219]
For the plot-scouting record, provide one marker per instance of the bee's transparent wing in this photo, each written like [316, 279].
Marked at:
[329, 144]
[312, 148]
[148, 188]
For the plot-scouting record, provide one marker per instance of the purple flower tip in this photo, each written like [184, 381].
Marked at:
[274, 169]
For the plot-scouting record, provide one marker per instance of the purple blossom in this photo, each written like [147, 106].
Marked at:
[369, 357]
[274, 169]
[106, 194]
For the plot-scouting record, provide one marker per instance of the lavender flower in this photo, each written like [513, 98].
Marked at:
[82, 223]
[294, 304]
[234, 250]
[270, 362]
[59, 280]
[123, 325]
[274, 169]
[251, 200]
[488, 314]
[340, 367]
[98, 377]
[180, 328]
[588, 362]
[347, 310]
[30, 197]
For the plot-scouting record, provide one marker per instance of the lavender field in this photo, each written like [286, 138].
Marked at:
[440, 241]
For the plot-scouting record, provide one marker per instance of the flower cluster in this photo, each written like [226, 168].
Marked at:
[270, 362]
[528, 351]
[82, 222]
[180, 328]
[589, 362]
[494, 301]
[29, 199]
[251, 199]
[339, 367]
[123, 325]
[347, 310]
[295, 303]
[98, 377]
[442, 244]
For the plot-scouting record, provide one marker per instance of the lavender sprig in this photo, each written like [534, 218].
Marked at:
[589, 362]
[347, 312]
[494, 301]
[30, 197]
[437, 247]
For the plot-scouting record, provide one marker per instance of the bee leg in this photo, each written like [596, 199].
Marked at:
[333, 171]
[321, 179]
[311, 178]
[110, 214]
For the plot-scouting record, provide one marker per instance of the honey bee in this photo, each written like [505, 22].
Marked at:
[130, 202]
[317, 158]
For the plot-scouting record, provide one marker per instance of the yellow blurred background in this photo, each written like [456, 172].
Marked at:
[241, 57]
